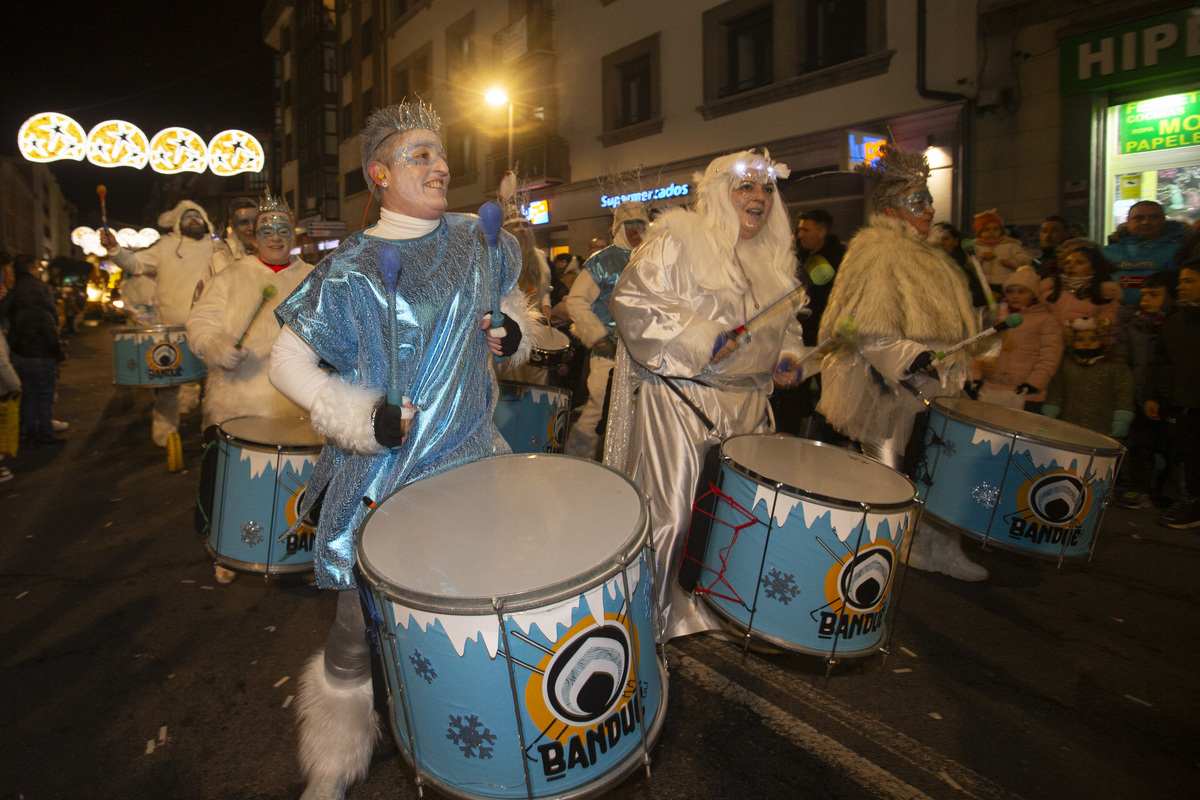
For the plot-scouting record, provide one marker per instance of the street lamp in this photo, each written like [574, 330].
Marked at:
[497, 97]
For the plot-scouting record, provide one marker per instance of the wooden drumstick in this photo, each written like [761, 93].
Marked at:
[267, 294]
[102, 190]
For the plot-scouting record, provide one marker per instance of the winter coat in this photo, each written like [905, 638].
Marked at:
[1137, 337]
[33, 319]
[1134, 259]
[1007, 249]
[1029, 353]
[832, 251]
[906, 296]
[1089, 394]
[1069, 306]
[1173, 375]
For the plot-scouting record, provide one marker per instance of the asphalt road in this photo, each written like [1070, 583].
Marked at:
[130, 673]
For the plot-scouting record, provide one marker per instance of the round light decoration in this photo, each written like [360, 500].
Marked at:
[51, 137]
[88, 239]
[178, 150]
[117, 143]
[232, 152]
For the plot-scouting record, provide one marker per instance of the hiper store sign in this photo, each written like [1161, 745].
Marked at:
[1156, 47]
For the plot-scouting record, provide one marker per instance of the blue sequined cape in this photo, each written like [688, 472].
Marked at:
[444, 288]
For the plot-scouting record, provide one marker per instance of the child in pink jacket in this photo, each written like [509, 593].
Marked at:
[998, 253]
[1030, 353]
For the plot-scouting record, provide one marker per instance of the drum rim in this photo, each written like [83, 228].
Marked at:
[799, 493]
[941, 405]
[150, 329]
[479, 605]
[282, 448]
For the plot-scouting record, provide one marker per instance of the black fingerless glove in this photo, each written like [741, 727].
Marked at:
[1027, 388]
[512, 337]
[923, 362]
[972, 389]
[389, 425]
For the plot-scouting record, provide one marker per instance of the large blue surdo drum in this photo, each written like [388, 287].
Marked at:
[516, 626]
[263, 467]
[803, 543]
[1019, 481]
[533, 418]
[153, 356]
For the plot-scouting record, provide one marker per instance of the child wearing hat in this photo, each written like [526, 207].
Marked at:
[998, 253]
[1091, 389]
[1030, 353]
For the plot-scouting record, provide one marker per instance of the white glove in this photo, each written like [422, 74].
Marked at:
[224, 354]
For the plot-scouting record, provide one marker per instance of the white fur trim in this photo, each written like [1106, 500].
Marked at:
[338, 727]
[695, 345]
[589, 329]
[342, 411]
[517, 306]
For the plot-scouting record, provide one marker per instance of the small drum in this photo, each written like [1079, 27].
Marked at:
[551, 349]
[519, 649]
[804, 540]
[532, 418]
[157, 356]
[1020, 481]
[263, 465]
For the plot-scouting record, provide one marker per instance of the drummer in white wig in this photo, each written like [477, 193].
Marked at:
[334, 358]
[700, 274]
[593, 325]
[908, 300]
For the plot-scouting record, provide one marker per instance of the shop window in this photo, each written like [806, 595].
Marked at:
[631, 92]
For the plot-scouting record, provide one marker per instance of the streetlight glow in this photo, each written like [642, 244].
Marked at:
[496, 97]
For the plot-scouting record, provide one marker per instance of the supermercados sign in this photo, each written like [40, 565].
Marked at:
[661, 193]
[1157, 47]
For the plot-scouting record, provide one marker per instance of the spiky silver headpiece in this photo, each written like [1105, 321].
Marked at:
[896, 170]
[270, 202]
[511, 199]
[416, 116]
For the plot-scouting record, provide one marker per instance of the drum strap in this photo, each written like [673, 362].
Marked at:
[708, 423]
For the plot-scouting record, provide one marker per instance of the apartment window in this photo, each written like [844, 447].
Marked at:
[410, 77]
[290, 196]
[354, 182]
[460, 48]
[287, 147]
[329, 73]
[400, 85]
[347, 120]
[287, 93]
[368, 103]
[285, 38]
[631, 92]
[368, 37]
[749, 52]
[399, 9]
[835, 32]
[347, 56]
[460, 153]
[330, 132]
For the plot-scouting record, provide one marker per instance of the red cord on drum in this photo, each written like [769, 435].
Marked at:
[723, 553]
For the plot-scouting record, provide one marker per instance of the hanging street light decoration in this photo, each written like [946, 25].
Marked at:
[50, 136]
[88, 239]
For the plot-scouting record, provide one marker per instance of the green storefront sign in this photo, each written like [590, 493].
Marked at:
[1162, 123]
[1125, 55]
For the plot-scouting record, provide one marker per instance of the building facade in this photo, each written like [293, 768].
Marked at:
[35, 218]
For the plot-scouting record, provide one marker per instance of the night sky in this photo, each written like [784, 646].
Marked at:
[200, 65]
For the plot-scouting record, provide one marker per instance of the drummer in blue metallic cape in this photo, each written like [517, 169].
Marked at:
[333, 357]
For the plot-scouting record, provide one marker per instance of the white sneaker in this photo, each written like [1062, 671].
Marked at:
[58, 426]
[223, 575]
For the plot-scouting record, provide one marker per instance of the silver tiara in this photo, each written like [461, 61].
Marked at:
[270, 202]
[417, 116]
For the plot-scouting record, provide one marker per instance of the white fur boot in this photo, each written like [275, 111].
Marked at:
[338, 729]
[938, 550]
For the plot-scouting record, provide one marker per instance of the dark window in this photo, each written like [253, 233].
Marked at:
[836, 32]
[368, 104]
[368, 37]
[285, 39]
[287, 93]
[460, 152]
[399, 7]
[347, 120]
[329, 73]
[460, 50]
[751, 55]
[290, 196]
[635, 91]
[347, 56]
[354, 182]
[400, 85]
[287, 147]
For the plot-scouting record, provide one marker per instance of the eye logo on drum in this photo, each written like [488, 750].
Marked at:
[583, 695]
[164, 359]
[861, 585]
[1050, 507]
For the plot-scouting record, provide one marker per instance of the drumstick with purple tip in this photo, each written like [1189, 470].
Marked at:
[389, 268]
[1011, 321]
[490, 220]
[268, 292]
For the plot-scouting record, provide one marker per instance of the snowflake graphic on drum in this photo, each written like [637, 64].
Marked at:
[422, 666]
[949, 447]
[471, 736]
[780, 586]
[985, 494]
[251, 533]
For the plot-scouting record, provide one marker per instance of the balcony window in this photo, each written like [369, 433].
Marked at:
[631, 92]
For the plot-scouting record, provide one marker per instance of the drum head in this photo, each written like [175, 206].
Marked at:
[273, 431]
[551, 339]
[502, 526]
[813, 469]
[1029, 426]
